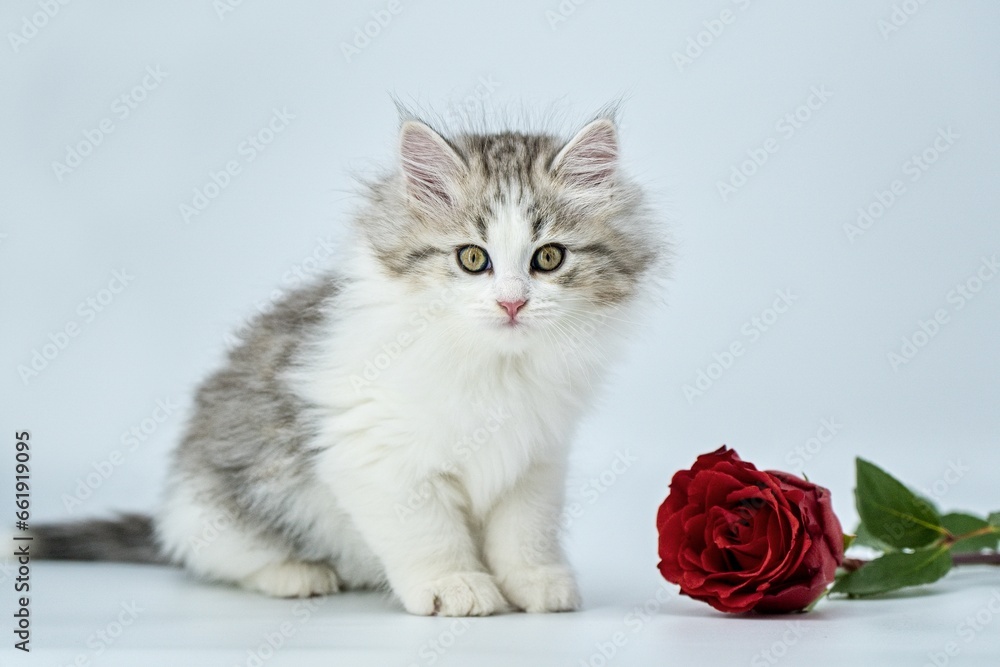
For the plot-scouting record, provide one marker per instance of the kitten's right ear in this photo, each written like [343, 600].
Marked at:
[431, 166]
[589, 160]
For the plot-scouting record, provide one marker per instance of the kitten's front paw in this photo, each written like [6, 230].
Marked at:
[542, 589]
[462, 594]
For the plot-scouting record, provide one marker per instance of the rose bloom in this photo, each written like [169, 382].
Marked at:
[744, 539]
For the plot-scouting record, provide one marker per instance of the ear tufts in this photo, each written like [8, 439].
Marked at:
[430, 165]
[590, 159]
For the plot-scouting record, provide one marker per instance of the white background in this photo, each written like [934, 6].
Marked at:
[685, 127]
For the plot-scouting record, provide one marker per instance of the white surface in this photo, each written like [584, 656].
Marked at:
[683, 131]
[179, 622]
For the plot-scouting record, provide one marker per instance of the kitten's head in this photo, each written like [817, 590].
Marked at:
[532, 237]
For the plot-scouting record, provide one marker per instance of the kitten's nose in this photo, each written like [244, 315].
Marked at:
[511, 306]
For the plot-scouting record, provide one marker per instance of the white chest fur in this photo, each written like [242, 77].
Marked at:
[423, 407]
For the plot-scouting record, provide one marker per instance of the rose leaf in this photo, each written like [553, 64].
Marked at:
[865, 538]
[959, 524]
[894, 571]
[891, 512]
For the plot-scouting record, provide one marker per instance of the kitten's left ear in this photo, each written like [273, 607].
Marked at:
[431, 166]
[590, 159]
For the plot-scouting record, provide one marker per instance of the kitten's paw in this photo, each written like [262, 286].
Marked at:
[293, 580]
[542, 589]
[461, 594]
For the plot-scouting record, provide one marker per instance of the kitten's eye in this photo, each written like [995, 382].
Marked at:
[548, 257]
[473, 259]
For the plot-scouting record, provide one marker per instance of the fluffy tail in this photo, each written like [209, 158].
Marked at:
[127, 539]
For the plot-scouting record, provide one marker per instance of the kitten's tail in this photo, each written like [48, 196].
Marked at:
[128, 539]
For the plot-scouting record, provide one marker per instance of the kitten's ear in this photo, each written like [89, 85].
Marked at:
[590, 159]
[431, 166]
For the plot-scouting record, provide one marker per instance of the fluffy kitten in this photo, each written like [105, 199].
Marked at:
[405, 420]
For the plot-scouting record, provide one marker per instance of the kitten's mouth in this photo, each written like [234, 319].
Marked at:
[512, 324]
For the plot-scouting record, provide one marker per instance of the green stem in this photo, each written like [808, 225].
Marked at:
[985, 530]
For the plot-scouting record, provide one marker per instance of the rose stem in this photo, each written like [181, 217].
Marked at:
[976, 559]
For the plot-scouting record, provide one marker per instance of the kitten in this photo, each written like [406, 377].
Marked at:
[404, 421]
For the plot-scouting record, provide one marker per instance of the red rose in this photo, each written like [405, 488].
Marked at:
[744, 539]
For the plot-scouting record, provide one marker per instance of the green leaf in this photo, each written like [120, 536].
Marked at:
[896, 570]
[924, 500]
[893, 513]
[865, 538]
[994, 519]
[848, 541]
[959, 524]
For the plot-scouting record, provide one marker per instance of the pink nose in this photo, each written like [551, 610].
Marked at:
[511, 306]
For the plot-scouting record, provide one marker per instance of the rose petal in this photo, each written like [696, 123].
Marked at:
[739, 538]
